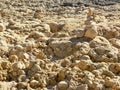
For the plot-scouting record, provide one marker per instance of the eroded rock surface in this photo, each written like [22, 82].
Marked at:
[59, 45]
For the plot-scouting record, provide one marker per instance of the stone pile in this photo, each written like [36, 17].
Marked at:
[91, 27]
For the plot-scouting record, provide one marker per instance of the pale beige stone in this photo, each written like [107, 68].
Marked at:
[13, 58]
[62, 85]
[82, 87]
[2, 27]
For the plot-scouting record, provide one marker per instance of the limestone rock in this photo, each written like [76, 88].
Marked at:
[103, 50]
[91, 32]
[84, 64]
[115, 42]
[34, 84]
[13, 58]
[55, 27]
[63, 85]
[61, 48]
[39, 13]
[22, 85]
[22, 78]
[8, 85]
[100, 41]
[5, 64]
[36, 35]
[85, 48]
[3, 47]
[17, 66]
[2, 27]
[82, 87]
[110, 32]
[115, 68]
[61, 75]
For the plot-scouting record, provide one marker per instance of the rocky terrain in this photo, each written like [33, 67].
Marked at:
[59, 45]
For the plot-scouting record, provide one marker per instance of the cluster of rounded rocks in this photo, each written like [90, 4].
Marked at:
[59, 52]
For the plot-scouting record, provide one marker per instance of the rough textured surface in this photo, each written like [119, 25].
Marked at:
[59, 45]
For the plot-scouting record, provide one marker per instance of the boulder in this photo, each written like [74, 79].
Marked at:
[102, 50]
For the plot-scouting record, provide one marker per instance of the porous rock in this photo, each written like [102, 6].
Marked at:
[61, 48]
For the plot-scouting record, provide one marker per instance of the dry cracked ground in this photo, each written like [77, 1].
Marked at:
[51, 45]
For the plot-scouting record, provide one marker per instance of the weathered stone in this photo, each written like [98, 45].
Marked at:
[5, 64]
[13, 58]
[61, 48]
[36, 35]
[115, 42]
[22, 78]
[61, 75]
[63, 85]
[100, 41]
[82, 87]
[17, 65]
[34, 84]
[55, 27]
[22, 85]
[2, 27]
[84, 64]
[85, 48]
[39, 13]
[91, 32]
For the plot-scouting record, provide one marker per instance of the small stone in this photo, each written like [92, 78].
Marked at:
[41, 55]
[5, 64]
[61, 48]
[22, 78]
[82, 87]
[22, 85]
[2, 27]
[34, 84]
[85, 48]
[91, 32]
[61, 75]
[39, 13]
[46, 27]
[36, 35]
[13, 58]
[36, 68]
[26, 56]
[21, 72]
[63, 85]
[17, 66]
[85, 57]
[115, 42]
[19, 48]
[12, 22]
[84, 64]
[65, 62]
[55, 27]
